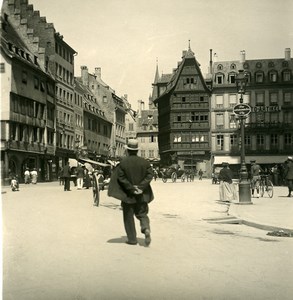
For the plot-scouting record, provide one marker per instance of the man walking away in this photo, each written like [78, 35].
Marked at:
[255, 177]
[79, 175]
[66, 176]
[134, 175]
[289, 175]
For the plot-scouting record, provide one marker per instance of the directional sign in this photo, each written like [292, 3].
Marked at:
[242, 109]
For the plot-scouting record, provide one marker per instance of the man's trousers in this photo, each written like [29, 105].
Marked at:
[140, 211]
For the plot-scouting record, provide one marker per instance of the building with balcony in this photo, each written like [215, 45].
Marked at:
[27, 106]
[269, 126]
[57, 59]
[183, 102]
[147, 133]
[113, 108]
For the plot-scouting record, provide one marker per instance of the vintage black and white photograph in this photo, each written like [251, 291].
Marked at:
[146, 150]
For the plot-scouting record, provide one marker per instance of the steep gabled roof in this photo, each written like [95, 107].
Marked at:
[187, 56]
[14, 46]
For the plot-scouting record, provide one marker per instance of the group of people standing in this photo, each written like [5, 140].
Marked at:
[228, 190]
[81, 180]
[30, 176]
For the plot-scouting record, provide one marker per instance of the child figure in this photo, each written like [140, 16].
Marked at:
[14, 184]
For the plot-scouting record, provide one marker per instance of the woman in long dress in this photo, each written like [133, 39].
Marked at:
[34, 175]
[227, 188]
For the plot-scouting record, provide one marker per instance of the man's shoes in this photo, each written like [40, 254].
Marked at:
[131, 243]
[147, 237]
[289, 195]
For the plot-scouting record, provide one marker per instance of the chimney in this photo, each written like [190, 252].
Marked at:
[242, 56]
[211, 61]
[287, 54]
[98, 72]
[84, 75]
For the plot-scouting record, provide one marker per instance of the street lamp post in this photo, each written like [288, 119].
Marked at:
[243, 110]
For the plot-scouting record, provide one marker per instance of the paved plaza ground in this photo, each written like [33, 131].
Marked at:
[57, 245]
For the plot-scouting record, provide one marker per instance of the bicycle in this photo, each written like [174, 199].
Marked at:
[265, 185]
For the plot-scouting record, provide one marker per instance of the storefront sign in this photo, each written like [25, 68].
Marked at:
[273, 108]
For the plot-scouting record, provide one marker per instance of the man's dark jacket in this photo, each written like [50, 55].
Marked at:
[132, 171]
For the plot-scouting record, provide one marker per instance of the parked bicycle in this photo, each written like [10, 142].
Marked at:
[266, 186]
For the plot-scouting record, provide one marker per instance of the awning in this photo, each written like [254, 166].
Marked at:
[234, 160]
[93, 162]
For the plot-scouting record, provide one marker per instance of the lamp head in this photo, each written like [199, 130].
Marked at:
[241, 82]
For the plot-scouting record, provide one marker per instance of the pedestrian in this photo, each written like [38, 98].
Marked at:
[87, 178]
[227, 189]
[255, 177]
[79, 174]
[275, 171]
[200, 173]
[130, 183]
[14, 183]
[27, 176]
[34, 176]
[289, 175]
[66, 176]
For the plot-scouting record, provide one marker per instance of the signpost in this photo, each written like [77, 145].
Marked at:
[242, 110]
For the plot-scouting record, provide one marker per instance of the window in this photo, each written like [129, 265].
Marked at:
[220, 142]
[178, 118]
[232, 121]
[219, 101]
[233, 140]
[183, 99]
[260, 99]
[232, 100]
[247, 140]
[42, 86]
[259, 78]
[274, 98]
[24, 77]
[274, 139]
[36, 83]
[220, 67]
[232, 77]
[274, 117]
[177, 138]
[142, 153]
[260, 139]
[273, 76]
[219, 78]
[151, 153]
[219, 120]
[287, 97]
[2, 67]
[287, 117]
[286, 76]
[288, 139]
[104, 99]
[246, 98]
[130, 127]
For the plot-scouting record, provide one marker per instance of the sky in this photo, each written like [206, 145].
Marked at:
[128, 38]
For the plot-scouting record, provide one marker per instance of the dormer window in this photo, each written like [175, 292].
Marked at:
[220, 78]
[259, 77]
[273, 76]
[233, 67]
[220, 67]
[286, 75]
[232, 77]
